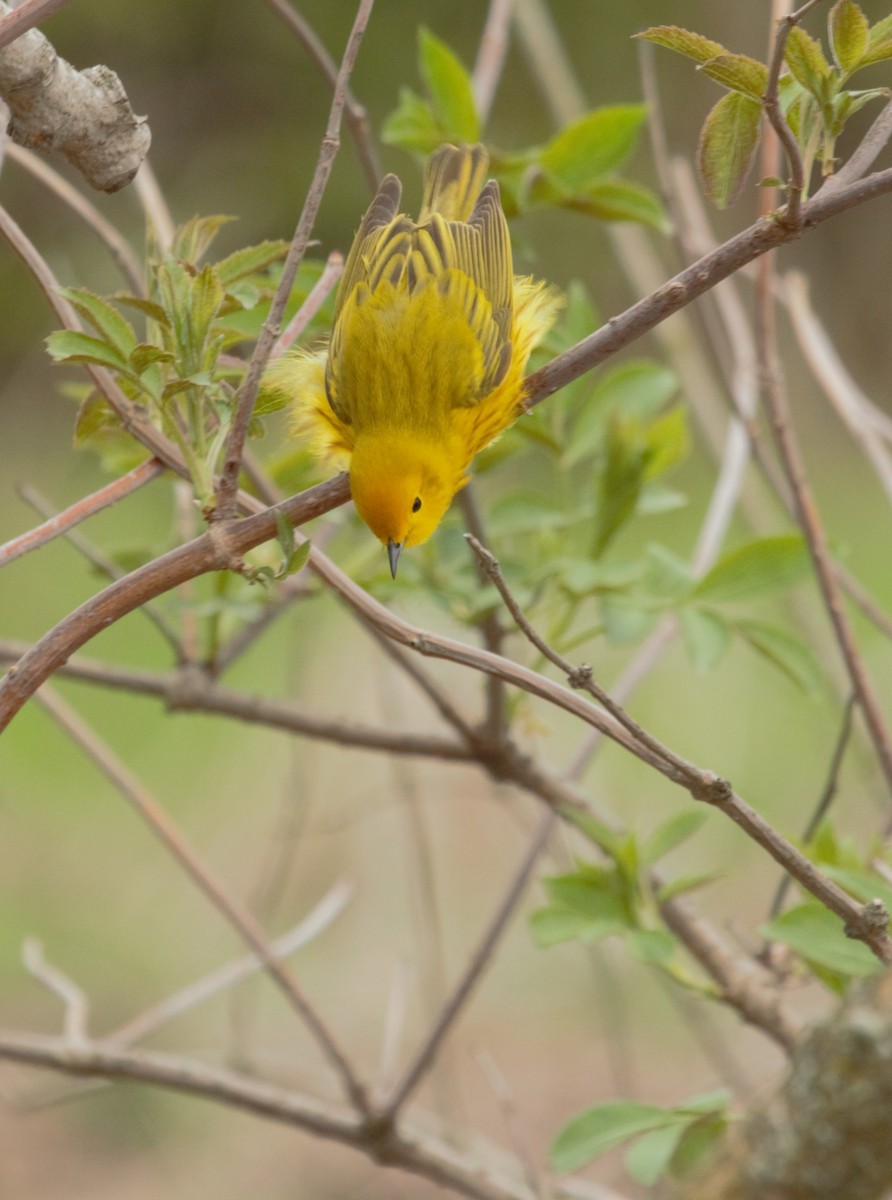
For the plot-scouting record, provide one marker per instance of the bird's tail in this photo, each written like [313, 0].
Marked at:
[453, 178]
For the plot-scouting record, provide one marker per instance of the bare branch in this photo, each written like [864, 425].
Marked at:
[116, 243]
[428, 1051]
[66, 520]
[69, 993]
[355, 114]
[490, 627]
[242, 921]
[314, 301]
[107, 566]
[227, 486]
[764, 235]
[491, 56]
[85, 115]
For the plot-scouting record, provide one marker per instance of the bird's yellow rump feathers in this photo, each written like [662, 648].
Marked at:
[432, 332]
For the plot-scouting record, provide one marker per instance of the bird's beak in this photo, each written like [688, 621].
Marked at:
[393, 554]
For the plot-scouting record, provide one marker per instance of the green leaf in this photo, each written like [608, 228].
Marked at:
[591, 893]
[145, 354]
[648, 1160]
[208, 294]
[635, 389]
[706, 635]
[817, 934]
[668, 577]
[194, 238]
[147, 307]
[697, 1141]
[685, 884]
[862, 884]
[656, 947]
[849, 35]
[449, 86]
[727, 147]
[683, 41]
[597, 143]
[619, 483]
[412, 125]
[879, 45]
[667, 442]
[299, 558]
[617, 200]
[788, 653]
[672, 833]
[249, 260]
[805, 58]
[107, 321]
[552, 926]
[66, 345]
[739, 73]
[596, 831]
[598, 1130]
[760, 568]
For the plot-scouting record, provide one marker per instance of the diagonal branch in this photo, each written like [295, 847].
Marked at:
[227, 486]
[241, 920]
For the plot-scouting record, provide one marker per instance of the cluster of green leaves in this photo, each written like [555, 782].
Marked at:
[615, 896]
[167, 361]
[812, 93]
[577, 169]
[666, 1142]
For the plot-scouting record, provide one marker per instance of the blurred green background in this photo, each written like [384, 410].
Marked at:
[237, 113]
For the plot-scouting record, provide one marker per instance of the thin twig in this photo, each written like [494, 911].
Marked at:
[242, 921]
[65, 520]
[849, 402]
[190, 690]
[158, 215]
[331, 273]
[73, 997]
[227, 486]
[116, 243]
[429, 1049]
[505, 1098]
[491, 56]
[355, 114]
[828, 794]
[792, 214]
[809, 521]
[865, 154]
[406, 1150]
[490, 628]
[105, 565]
[28, 14]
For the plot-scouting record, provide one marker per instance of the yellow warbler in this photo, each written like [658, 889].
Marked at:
[432, 332]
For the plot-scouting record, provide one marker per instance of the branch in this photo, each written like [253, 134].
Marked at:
[113, 239]
[406, 1151]
[792, 214]
[66, 520]
[217, 550]
[491, 56]
[427, 1052]
[227, 486]
[355, 114]
[189, 689]
[240, 919]
[746, 246]
[85, 115]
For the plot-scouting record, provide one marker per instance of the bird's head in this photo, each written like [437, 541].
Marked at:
[401, 489]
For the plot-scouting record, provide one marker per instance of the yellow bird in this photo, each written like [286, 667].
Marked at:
[425, 366]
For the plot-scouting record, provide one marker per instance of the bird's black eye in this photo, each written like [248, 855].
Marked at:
[416, 504]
